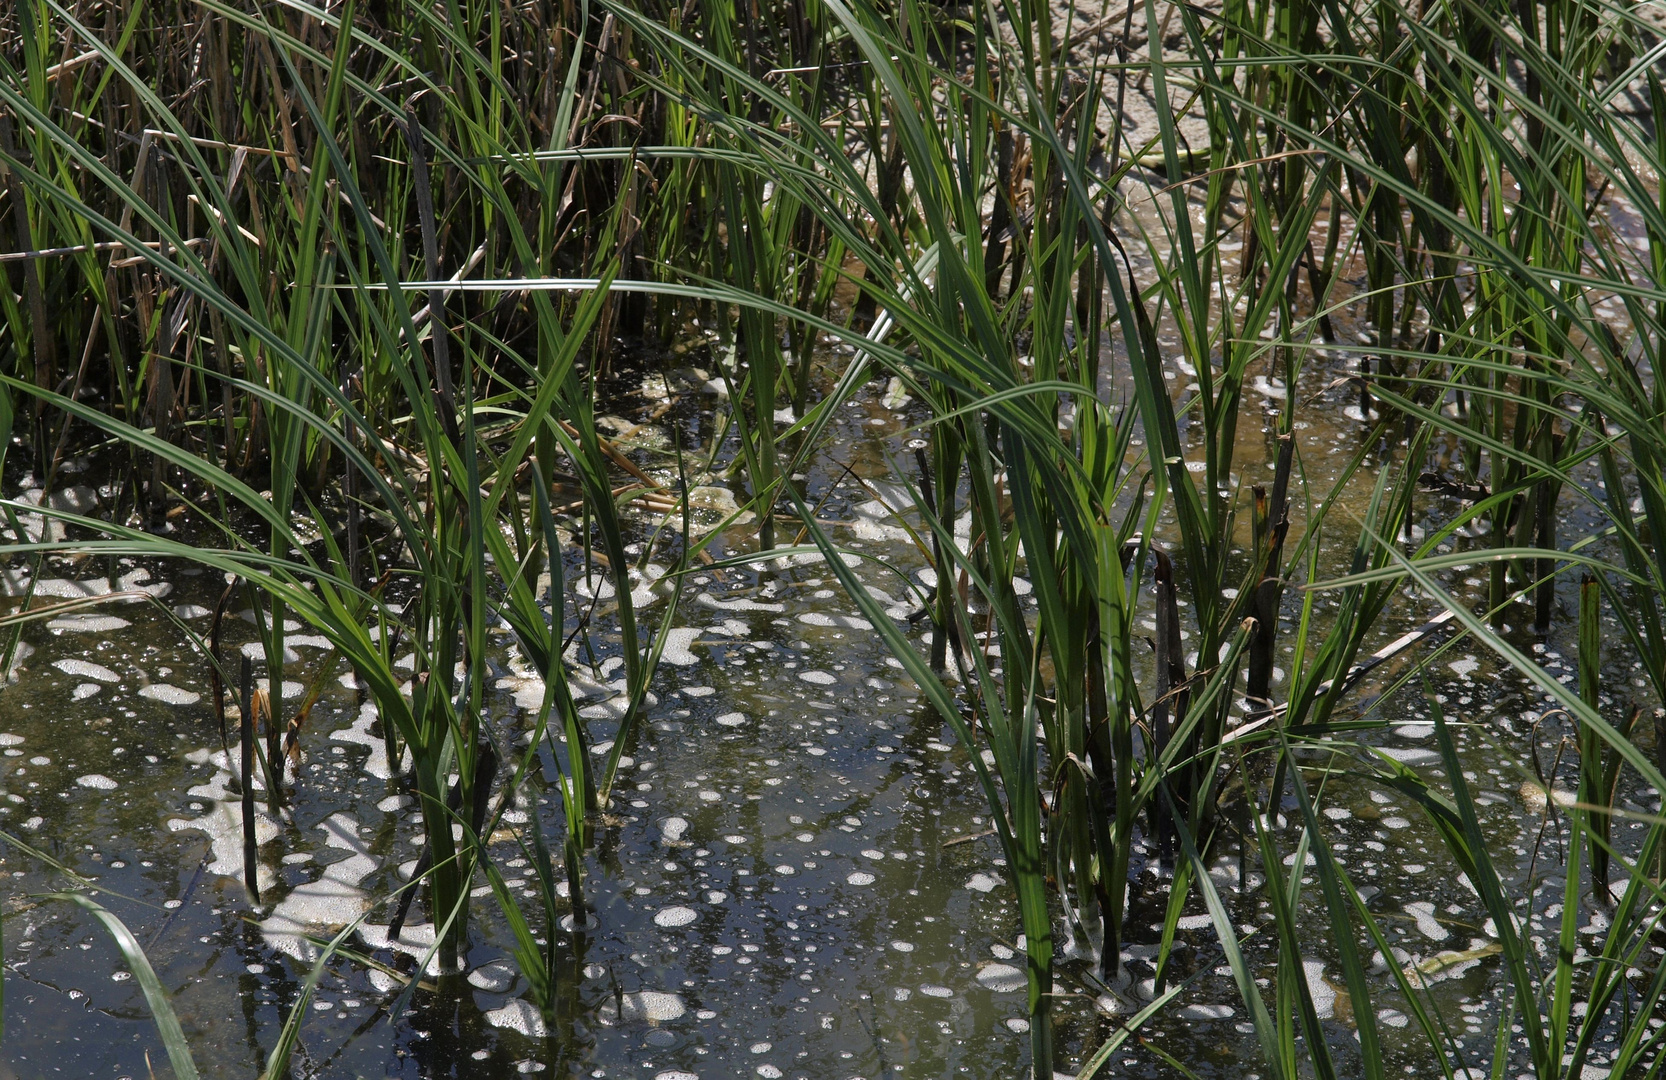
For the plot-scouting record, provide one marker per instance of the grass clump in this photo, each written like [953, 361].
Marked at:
[372, 270]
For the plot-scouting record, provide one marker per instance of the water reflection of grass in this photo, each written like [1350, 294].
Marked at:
[351, 289]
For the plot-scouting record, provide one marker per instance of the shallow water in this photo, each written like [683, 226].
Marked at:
[797, 879]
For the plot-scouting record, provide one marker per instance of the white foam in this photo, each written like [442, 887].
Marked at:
[223, 822]
[291, 688]
[88, 624]
[675, 916]
[1424, 912]
[376, 762]
[933, 990]
[1002, 978]
[652, 1005]
[983, 883]
[819, 678]
[859, 877]
[59, 588]
[528, 690]
[86, 669]
[521, 1016]
[1413, 756]
[1210, 1012]
[329, 903]
[706, 599]
[733, 719]
[495, 977]
[677, 641]
[85, 690]
[97, 781]
[1323, 994]
[169, 695]
[673, 828]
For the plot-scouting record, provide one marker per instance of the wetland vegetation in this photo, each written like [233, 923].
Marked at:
[833, 538]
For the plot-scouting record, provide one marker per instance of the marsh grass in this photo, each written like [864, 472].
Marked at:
[372, 273]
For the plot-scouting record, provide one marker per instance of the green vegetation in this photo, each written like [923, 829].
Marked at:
[367, 267]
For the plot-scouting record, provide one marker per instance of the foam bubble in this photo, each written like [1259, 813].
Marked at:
[859, 877]
[653, 1005]
[677, 641]
[334, 900]
[1001, 978]
[674, 916]
[86, 669]
[97, 781]
[1207, 1012]
[495, 977]
[518, 1015]
[169, 695]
